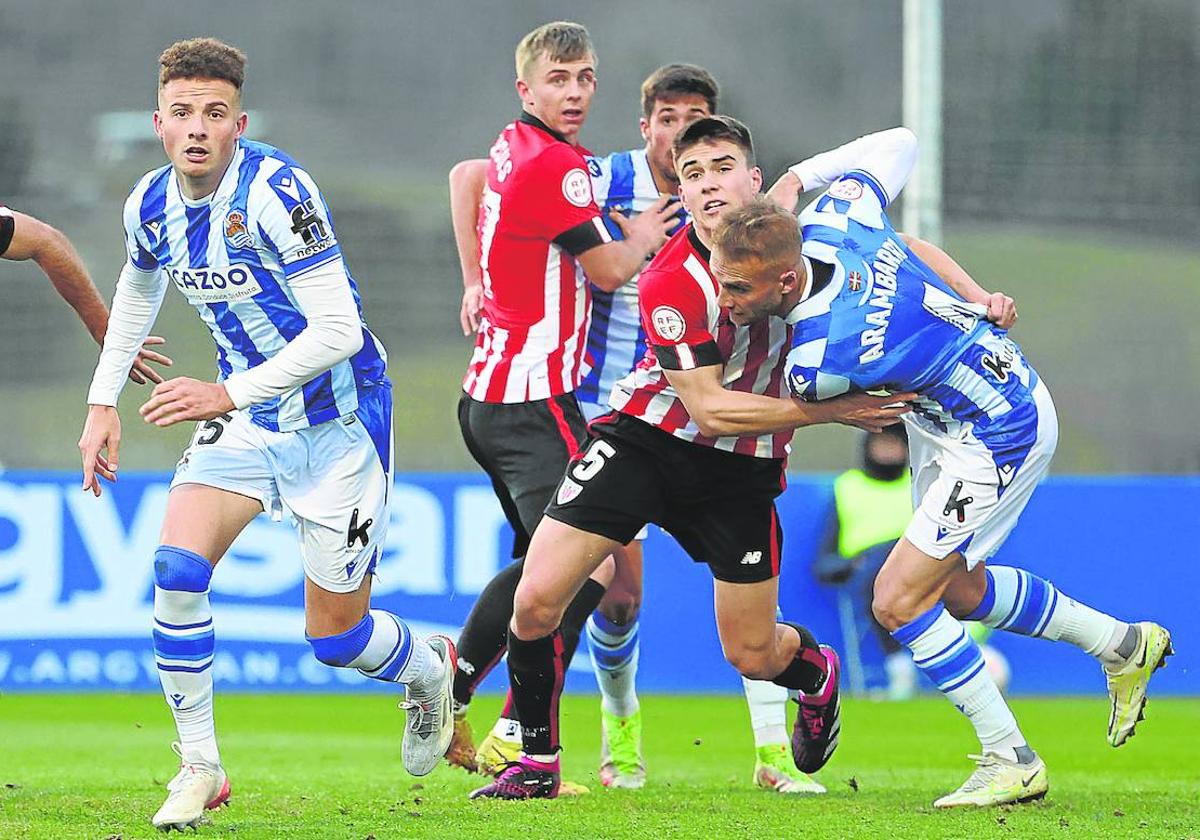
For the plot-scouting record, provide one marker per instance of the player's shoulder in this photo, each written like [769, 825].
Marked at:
[148, 192]
[679, 266]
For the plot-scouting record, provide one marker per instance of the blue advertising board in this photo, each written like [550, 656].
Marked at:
[76, 583]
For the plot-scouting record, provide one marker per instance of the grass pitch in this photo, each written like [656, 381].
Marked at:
[93, 766]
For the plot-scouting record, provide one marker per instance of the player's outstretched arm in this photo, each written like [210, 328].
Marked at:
[1001, 309]
[467, 180]
[719, 412]
[56, 256]
[888, 157]
[609, 266]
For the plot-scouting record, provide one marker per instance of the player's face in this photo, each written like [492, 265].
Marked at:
[559, 93]
[666, 120]
[714, 178]
[199, 121]
[751, 291]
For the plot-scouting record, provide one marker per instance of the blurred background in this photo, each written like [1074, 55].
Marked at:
[1070, 180]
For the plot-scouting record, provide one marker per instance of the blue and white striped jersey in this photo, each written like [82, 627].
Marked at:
[233, 255]
[616, 341]
[884, 320]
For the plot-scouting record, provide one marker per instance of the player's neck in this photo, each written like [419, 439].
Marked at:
[198, 189]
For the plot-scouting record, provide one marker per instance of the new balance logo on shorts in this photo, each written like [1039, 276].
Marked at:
[751, 558]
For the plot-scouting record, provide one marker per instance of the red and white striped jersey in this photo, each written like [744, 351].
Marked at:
[537, 215]
[686, 329]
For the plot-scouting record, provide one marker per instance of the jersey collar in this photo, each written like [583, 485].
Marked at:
[699, 247]
[530, 119]
[816, 292]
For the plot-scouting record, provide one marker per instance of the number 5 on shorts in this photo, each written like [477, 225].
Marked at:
[592, 461]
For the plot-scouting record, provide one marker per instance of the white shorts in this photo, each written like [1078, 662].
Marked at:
[962, 501]
[334, 478]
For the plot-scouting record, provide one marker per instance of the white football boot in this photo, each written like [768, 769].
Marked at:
[430, 717]
[198, 786]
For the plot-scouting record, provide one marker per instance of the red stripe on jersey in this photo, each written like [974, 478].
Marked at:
[678, 301]
[533, 332]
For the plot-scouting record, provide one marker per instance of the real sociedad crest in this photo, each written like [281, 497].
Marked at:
[235, 230]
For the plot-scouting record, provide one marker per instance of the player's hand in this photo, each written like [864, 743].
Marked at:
[141, 372]
[786, 191]
[472, 305]
[1001, 310]
[652, 227]
[182, 399]
[869, 412]
[98, 446]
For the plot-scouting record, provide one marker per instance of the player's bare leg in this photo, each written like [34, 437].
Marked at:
[908, 603]
[560, 559]
[762, 648]
[613, 640]
[200, 524]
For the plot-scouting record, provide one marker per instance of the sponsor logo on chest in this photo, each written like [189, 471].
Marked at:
[221, 284]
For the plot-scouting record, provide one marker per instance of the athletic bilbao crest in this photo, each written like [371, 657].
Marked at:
[235, 230]
[567, 491]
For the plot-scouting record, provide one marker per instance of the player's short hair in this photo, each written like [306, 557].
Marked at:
[560, 40]
[759, 231]
[202, 58]
[675, 80]
[713, 129]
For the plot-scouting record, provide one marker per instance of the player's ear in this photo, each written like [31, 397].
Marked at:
[158, 124]
[242, 122]
[644, 127]
[789, 281]
[756, 178]
[523, 91]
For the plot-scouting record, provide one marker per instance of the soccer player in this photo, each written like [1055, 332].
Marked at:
[300, 415]
[540, 230]
[628, 182]
[697, 444]
[869, 314]
[22, 237]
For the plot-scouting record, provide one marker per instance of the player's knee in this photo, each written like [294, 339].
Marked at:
[534, 615]
[180, 570]
[889, 606]
[342, 650]
[751, 662]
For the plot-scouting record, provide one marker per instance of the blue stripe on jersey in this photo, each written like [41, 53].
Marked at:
[197, 235]
[154, 202]
[869, 179]
[375, 412]
[597, 344]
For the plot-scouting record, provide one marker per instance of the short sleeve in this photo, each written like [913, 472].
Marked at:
[560, 192]
[295, 221]
[675, 317]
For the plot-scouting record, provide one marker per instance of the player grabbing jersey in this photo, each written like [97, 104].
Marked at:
[300, 415]
[868, 314]
[688, 449]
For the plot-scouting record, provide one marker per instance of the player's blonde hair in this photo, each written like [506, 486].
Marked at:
[759, 231]
[560, 40]
[202, 58]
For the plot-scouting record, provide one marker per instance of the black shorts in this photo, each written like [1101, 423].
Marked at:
[524, 448]
[718, 505]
